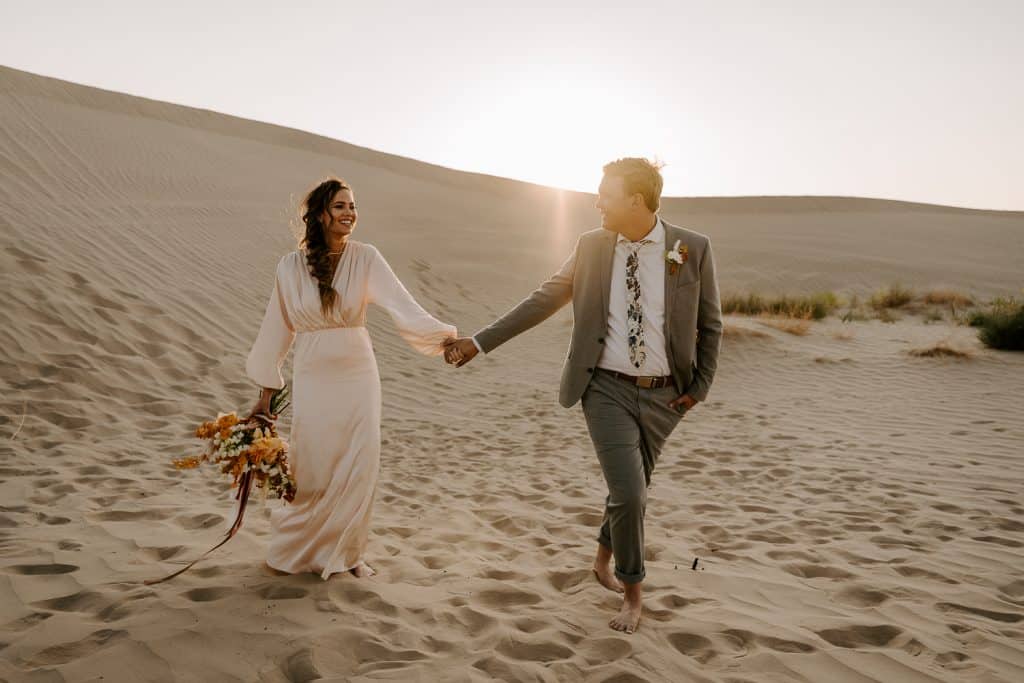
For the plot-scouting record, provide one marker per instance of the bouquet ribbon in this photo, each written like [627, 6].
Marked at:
[244, 486]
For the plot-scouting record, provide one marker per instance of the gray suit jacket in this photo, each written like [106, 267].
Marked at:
[693, 315]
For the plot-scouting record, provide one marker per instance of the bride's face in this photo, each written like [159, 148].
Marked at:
[340, 218]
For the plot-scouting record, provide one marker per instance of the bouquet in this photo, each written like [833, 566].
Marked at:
[252, 453]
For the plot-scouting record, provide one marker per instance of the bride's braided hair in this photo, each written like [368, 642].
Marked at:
[315, 242]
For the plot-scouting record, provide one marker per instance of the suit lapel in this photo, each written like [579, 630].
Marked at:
[605, 260]
[670, 280]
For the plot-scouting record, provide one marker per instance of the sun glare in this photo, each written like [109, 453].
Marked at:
[556, 132]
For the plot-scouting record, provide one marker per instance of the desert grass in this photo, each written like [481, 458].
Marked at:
[888, 304]
[888, 316]
[814, 306]
[947, 297]
[941, 349]
[800, 327]
[894, 296]
[737, 332]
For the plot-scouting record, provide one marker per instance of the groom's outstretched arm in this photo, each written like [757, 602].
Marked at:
[534, 309]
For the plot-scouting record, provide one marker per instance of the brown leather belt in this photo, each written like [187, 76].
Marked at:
[644, 381]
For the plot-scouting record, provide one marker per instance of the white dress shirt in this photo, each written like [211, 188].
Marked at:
[651, 271]
[615, 355]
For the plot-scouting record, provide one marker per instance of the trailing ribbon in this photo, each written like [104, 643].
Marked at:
[244, 486]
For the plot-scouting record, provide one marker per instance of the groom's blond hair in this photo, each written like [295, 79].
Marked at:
[639, 175]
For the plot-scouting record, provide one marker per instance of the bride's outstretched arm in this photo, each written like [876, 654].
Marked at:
[421, 330]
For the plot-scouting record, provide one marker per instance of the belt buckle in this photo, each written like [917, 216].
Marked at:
[645, 382]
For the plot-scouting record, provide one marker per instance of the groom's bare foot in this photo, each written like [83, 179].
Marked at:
[606, 577]
[628, 618]
[363, 570]
[603, 569]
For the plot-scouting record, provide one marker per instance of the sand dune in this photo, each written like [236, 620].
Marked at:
[855, 510]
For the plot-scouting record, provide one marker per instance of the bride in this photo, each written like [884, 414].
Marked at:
[319, 303]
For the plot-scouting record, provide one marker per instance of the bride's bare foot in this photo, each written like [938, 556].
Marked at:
[628, 618]
[603, 570]
[363, 570]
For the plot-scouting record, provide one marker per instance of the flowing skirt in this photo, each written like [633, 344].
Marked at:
[334, 451]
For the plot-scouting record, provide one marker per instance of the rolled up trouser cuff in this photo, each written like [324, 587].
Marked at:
[630, 578]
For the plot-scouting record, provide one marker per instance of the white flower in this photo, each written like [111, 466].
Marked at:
[673, 254]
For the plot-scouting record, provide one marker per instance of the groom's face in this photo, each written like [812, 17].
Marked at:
[615, 205]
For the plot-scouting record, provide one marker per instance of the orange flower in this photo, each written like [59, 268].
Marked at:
[189, 462]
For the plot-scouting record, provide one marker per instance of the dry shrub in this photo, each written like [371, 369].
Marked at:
[893, 297]
[816, 306]
[940, 350]
[801, 327]
[947, 297]
[735, 332]
[843, 335]
[1002, 325]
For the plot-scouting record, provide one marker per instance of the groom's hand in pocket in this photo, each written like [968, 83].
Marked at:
[686, 401]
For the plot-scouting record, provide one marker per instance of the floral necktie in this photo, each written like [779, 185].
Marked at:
[634, 311]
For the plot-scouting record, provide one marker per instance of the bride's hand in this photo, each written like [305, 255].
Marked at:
[261, 411]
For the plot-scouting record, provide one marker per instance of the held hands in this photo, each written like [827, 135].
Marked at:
[685, 400]
[458, 352]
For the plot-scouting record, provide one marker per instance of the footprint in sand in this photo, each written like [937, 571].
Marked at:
[862, 596]
[275, 591]
[82, 601]
[208, 594]
[502, 574]
[913, 572]
[163, 552]
[507, 597]
[998, 540]
[749, 641]
[1004, 617]
[132, 515]
[816, 571]
[564, 580]
[529, 625]
[76, 650]
[693, 645]
[300, 668]
[534, 652]
[953, 660]
[855, 637]
[202, 521]
[375, 651]
[41, 569]
[497, 669]
[605, 650]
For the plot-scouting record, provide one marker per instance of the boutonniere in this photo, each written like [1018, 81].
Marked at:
[676, 256]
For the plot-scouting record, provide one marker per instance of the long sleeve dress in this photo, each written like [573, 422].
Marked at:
[336, 402]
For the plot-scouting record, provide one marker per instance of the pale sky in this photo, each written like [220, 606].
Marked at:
[914, 100]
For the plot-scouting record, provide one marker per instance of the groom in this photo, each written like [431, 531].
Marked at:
[645, 341]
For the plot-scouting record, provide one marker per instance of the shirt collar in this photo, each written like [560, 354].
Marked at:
[656, 235]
